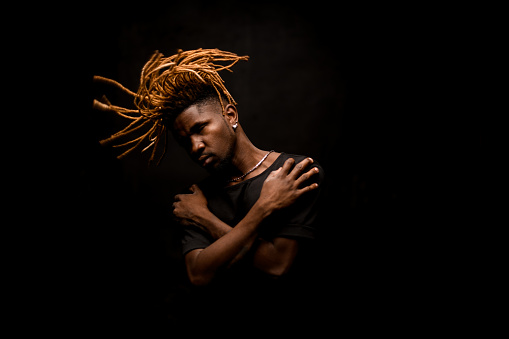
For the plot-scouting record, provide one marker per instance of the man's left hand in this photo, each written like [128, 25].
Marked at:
[189, 209]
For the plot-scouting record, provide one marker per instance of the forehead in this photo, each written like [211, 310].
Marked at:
[196, 114]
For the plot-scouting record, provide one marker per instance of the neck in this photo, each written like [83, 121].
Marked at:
[246, 155]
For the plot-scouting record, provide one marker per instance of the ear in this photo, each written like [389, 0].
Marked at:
[231, 114]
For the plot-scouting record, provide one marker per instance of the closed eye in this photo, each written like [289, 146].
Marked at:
[196, 129]
[183, 138]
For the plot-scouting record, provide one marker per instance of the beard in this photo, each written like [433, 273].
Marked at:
[224, 164]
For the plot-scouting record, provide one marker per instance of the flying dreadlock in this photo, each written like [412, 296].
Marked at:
[168, 86]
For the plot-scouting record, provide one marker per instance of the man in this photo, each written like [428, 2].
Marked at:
[225, 218]
[251, 218]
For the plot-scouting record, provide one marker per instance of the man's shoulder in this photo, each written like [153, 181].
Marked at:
[285, 156]
[289, 155]
[297, 157]
[319, 178]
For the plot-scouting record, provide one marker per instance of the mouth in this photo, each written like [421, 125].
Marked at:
[205, 160]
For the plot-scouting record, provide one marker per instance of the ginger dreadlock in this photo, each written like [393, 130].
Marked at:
[168, 86]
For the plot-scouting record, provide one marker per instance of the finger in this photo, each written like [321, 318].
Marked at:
[287, 166]
[274, 173]
[197, 189]
[299, 168]
[174, 208]
[300, 180]
[307, 189]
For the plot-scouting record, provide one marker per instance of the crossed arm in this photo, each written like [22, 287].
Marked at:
[281, 189]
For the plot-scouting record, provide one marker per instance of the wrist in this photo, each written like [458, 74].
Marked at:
[263, 208]
[213, 225]
[203, 216]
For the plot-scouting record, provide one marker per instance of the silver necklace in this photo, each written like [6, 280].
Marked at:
[252, 169]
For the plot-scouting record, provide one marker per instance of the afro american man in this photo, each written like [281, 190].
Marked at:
[258, 207]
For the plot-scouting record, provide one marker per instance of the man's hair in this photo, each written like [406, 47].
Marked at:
[167, 87]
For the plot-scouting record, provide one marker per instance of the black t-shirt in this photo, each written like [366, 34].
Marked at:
[242, 295]
[231, 204]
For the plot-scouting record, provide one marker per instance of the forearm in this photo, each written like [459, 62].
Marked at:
[213, 225]
[275, 257]
[234, 243]
[280, 190]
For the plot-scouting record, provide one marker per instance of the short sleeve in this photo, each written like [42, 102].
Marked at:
[298, 220]
[194, 238]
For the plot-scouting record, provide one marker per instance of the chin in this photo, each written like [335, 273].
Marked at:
[218, 166]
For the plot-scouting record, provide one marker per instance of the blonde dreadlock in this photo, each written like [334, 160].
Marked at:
[167, 86]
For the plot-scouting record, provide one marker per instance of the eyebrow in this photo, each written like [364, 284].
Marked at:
[196, 126]
[192, 130]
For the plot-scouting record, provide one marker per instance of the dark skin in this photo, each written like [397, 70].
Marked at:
[211, 140]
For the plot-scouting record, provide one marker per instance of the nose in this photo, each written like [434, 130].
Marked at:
[197, 146]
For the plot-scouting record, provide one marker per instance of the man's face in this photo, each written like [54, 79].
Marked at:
[206, 136]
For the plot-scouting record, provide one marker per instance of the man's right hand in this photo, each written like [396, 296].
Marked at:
[283, 186]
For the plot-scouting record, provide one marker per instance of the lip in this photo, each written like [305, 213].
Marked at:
[205, 160]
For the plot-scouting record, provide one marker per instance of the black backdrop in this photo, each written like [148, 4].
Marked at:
[347, 85]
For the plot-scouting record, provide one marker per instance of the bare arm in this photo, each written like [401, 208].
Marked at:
[272, 257]
[280, 190]
[202, 264]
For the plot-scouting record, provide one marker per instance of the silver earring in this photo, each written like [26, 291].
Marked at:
[235, 126]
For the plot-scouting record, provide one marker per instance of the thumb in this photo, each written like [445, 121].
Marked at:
[195, 189]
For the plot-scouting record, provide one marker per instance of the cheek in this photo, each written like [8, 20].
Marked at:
[219, 139]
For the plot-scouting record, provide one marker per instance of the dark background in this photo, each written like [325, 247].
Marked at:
[351, 86]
